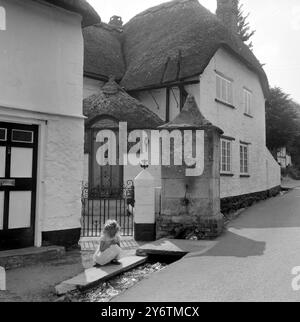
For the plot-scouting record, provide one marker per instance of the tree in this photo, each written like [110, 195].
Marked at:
[244, 29]
[295, 145]
[282, 121]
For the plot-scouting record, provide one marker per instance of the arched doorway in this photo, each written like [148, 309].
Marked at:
[104, 180]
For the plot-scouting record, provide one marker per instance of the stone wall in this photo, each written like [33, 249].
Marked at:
[232, 204]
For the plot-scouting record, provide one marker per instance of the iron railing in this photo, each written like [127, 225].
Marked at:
[100, 205]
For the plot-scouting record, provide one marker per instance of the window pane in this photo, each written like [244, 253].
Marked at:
[3, 135]
[224, 90]
[244, 162]
[226, 156]
[249, 103]
[230, 93]
[2, 161]
[218, 87]
[21, 162]
[241, 159]
[22, 136]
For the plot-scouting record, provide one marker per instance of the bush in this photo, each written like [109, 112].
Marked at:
[294, 173]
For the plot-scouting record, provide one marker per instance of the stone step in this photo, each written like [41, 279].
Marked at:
[173, 247]
[92, 276]
[16, 258]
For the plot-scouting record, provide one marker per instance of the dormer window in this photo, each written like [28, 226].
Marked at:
[224, 89]
[2, 19]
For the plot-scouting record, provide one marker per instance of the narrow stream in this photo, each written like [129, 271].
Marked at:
[104, 292]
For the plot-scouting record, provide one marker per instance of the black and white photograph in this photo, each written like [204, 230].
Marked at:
[149, 153]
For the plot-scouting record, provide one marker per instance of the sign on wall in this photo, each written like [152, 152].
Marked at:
[2, 19]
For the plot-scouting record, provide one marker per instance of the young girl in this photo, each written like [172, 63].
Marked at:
[109, 249]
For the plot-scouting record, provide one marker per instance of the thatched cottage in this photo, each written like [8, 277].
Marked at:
[177, 49]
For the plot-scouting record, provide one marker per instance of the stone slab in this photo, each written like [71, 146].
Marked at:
[172, 247]
[28, 256]
[93, 276]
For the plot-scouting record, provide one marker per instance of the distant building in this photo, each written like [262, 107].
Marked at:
[284, 158]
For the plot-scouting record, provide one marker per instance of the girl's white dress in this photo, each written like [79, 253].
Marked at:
[112, 252]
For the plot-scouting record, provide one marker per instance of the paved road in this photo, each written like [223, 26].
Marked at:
[252, 261]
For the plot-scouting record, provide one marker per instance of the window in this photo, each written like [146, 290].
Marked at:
[3, 134]
[22, 136]
[226, 167]
[2, 19]
[244, 159]
[224, 90]
[248, 102]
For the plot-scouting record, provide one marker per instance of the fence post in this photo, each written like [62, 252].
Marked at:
[144, 217]
[2, 279]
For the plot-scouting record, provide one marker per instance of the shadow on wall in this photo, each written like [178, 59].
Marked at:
[234, 245]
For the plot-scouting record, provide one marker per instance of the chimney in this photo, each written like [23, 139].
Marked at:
[116, 21]
[227, 12]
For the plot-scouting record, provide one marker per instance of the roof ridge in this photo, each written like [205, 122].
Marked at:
[106, 26]
[162, 6]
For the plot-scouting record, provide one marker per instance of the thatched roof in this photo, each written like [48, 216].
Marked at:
[103, 55]
[176, 40]
[190, 118]
[112, 101]
[89, 15]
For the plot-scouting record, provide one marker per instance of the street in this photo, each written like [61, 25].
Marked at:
[252, 261]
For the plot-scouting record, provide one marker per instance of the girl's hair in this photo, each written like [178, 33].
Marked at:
[112, 228]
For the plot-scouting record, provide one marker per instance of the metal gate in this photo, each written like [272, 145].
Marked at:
[100, 205]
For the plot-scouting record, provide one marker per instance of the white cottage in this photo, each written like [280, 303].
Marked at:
[180, 48]
[41, 121]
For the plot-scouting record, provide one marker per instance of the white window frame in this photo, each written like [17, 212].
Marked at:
[226, 156]
[248, 101]
[244, 159]
[2, 19]
[25, 142]
[224, 89]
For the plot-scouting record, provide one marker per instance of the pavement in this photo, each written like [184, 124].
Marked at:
[290, 183]
[252, 261]
[36, 283]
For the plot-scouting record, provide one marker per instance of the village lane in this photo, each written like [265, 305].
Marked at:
[252, 261]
